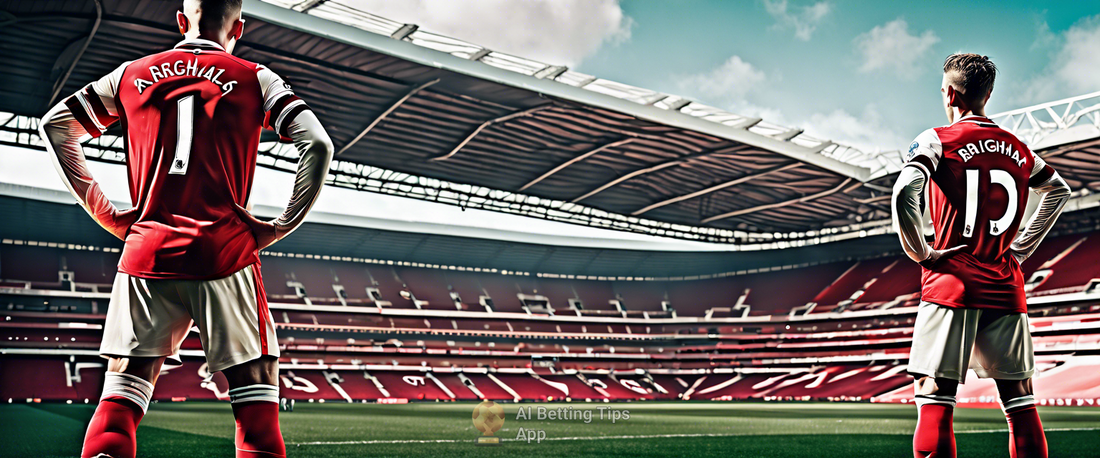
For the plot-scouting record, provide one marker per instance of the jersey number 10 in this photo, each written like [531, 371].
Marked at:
[1000, 177]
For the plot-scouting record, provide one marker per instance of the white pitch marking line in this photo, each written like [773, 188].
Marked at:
[975, 431]
[649, 436]
[577, 438]
[432, 441]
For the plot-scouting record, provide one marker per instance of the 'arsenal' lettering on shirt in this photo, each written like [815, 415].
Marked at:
[183, 68]
[988, 145]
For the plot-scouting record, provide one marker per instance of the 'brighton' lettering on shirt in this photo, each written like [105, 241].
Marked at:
[184, 68]
[988, 145]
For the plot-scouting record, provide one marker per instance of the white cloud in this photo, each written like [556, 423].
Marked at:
[803, 20]
[866, 131]
[560, 32]
[890, 47]
[734, 86]
[741, 88]
[1044, 38]
[1073, 69]
[728, 82]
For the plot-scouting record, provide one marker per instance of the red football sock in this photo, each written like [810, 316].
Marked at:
[113, 429]
[935, 437]
[258, 434]
[1025, 433]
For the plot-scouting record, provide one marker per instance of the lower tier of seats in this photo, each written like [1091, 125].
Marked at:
[1071, 380]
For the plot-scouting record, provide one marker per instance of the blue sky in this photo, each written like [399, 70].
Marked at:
[821, 61]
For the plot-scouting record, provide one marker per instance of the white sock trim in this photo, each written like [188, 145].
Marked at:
[129, 387]
[922, 399]
[255, 393]
[1014, 403]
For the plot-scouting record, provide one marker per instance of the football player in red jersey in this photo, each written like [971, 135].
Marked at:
[972, 295]
[192, 117]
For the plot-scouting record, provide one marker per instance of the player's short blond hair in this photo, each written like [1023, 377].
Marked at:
[972, 75]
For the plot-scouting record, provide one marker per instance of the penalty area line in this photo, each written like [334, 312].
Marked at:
[575, 438]
[647, 436]
[982, 431]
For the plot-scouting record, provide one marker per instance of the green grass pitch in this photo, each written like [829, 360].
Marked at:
[681, 429]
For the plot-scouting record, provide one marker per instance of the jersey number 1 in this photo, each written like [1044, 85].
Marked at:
[1000, 177]
[185, 128]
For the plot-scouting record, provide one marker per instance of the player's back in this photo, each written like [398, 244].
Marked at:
[192, 117]
[981, 188]
[981, 177]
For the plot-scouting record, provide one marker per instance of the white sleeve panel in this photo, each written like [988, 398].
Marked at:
[315, 148]
[1055, 193]
[1040, 164]
[107, 88]
[926, 150]
[907, 214]
[272, 86]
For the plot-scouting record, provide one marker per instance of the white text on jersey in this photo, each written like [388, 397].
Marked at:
[990, 146]
[184, 68]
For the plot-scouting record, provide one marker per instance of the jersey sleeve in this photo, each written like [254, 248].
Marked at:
[1040, 172]
[93, 106]
[281, 106]
[925, 152]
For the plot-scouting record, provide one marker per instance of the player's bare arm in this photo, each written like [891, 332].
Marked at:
[316, 149]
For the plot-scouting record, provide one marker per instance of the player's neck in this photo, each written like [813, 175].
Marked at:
[211, 37]
[960, 114]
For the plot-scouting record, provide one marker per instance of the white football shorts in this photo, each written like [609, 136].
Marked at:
[151, 317]
[947, 341]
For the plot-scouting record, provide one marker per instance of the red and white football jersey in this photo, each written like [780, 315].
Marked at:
[192, 117]
[981, 175]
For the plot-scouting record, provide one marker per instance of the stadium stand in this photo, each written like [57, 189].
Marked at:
[1073, 268]
[361, 351]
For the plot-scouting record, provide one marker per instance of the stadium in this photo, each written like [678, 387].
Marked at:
[780, 325]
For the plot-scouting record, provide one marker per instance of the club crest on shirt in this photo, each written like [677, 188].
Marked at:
[912, 151]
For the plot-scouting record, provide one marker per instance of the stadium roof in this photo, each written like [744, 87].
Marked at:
[1067, 134]
[420, 115]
